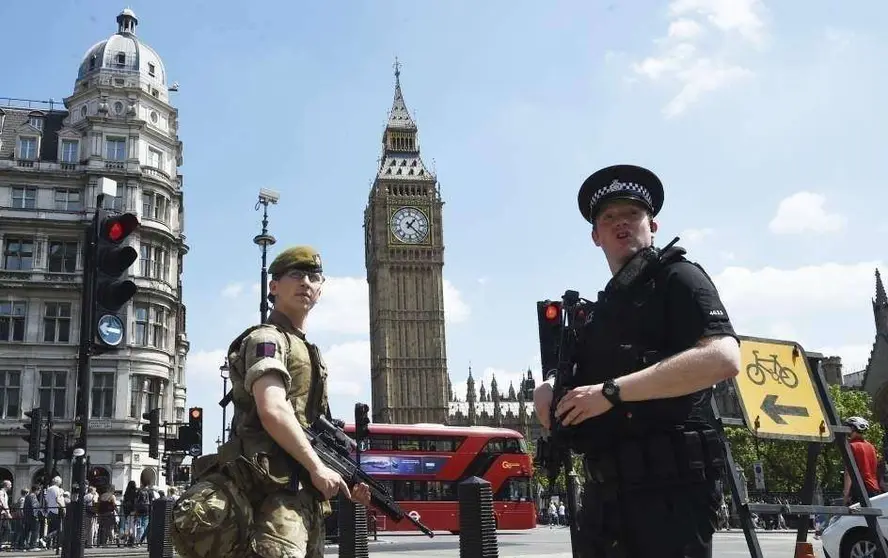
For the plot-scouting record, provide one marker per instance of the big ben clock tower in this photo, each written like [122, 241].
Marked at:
[404, 255]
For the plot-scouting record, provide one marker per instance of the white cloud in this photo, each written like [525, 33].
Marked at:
[455, 308]
[740, 16]
[697, 69]
[232, 290]
[854, 357]
[693, 236]
[804, 212]
[780, 294]
[345, 305]
[684, 29]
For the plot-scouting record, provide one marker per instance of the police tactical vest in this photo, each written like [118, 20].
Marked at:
[629, 332]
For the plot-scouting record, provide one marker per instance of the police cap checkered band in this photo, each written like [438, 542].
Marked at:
[620, 181]
[629, 188]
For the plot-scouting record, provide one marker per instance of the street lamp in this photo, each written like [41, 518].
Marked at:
[223, 372]
[264, 240]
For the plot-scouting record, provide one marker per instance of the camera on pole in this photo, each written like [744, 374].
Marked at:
[110, 264]
[35, 429]
[153, 430]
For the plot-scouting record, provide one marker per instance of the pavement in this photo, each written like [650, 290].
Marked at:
[541, 542]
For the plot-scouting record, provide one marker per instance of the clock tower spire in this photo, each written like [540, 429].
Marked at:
[404, 256]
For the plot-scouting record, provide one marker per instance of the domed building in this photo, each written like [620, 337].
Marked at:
[118, 124]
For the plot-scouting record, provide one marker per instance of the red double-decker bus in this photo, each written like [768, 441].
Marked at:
[422, 465]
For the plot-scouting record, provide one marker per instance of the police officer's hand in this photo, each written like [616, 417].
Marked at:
[580, 404]
[361, 494]
[542, 403]
[328, 482]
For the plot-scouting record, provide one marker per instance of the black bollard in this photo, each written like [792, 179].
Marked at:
[159, 543]
[477, 525]
[352, 529]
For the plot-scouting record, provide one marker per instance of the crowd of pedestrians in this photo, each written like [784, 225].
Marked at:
[34, 519]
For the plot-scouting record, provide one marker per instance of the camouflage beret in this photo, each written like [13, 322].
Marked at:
[305, 258]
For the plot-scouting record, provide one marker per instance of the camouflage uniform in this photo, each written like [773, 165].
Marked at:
[248, 500]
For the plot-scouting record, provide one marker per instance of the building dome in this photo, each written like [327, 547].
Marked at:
[124, 55]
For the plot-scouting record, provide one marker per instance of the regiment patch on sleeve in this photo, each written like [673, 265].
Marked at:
[266, 350]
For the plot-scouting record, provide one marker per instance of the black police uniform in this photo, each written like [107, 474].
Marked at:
[651, 466]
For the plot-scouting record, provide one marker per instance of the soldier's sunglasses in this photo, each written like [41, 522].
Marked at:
[299, 275]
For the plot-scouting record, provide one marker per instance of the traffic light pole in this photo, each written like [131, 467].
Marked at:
[81, 414]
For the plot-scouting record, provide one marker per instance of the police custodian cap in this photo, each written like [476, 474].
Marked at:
[305, 258]
[620, 182]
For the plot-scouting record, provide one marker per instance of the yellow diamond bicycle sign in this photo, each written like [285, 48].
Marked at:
[777, 392]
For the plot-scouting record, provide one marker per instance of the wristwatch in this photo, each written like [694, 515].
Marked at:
[611, 392]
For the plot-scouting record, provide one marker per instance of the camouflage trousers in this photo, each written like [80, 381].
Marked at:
[288, 525]
[214, 518]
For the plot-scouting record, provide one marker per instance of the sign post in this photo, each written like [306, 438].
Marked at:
[783, 396]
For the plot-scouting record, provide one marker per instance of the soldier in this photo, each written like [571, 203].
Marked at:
[659, 338]
[251, 499]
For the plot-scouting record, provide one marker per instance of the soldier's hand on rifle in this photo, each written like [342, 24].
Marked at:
[580, 404]
[328, 482]
[361, 494]
[542, 403]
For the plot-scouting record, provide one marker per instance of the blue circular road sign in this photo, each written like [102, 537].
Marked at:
[110, 329]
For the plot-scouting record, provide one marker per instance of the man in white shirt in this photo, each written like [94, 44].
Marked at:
[54, 501]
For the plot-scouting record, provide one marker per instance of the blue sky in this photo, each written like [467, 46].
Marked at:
[763, 119]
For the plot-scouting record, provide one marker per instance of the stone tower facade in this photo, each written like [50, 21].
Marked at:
[404, 256]
[513, 409]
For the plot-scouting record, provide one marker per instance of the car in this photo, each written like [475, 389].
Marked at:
[847, 536]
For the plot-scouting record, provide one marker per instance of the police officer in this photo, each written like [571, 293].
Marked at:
[659, 338]
[252, 499]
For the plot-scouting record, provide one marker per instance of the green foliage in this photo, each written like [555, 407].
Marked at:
[542, 477]
[784, 460]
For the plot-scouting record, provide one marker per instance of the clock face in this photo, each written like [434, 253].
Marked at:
[410, 225]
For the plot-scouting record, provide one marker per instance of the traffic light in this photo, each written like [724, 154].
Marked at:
[153, 430]
[49, 451]
[60, 448]
[550, 318]
[35, 429]
[195, 423]
[362, 422]
[111, 261]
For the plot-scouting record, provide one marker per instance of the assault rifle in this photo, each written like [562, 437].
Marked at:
[559, 324]
[334, 446]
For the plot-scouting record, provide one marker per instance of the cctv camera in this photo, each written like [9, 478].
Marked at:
[268, 196]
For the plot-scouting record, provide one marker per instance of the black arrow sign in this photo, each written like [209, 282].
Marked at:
[777, 412]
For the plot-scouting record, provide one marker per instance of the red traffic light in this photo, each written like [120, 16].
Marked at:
[553, 311]
[195, 413]
[115, 229]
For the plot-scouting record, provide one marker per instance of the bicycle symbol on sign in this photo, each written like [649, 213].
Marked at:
[781, 374]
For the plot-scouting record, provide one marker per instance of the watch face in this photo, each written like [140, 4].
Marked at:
[410, 225]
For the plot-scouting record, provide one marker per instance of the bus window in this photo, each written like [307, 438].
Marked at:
[495, 446]
[408, 490]
[406, 444]
[510, 445]
[439, 444]
[515, 489]
[381, 442]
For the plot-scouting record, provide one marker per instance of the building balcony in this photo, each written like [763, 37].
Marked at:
[38, 278]
[36, 166]
[161, 177]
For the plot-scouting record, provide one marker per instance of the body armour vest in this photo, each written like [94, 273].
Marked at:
[306, 383]
[629, 330]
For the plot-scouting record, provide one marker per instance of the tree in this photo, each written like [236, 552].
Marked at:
[785, 460]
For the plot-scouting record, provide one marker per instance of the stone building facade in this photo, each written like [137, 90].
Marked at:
[118, 123]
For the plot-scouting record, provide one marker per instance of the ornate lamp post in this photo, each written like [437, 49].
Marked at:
[264, 240]
[223, 372]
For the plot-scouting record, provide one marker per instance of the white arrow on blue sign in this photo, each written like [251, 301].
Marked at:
[110, 330]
